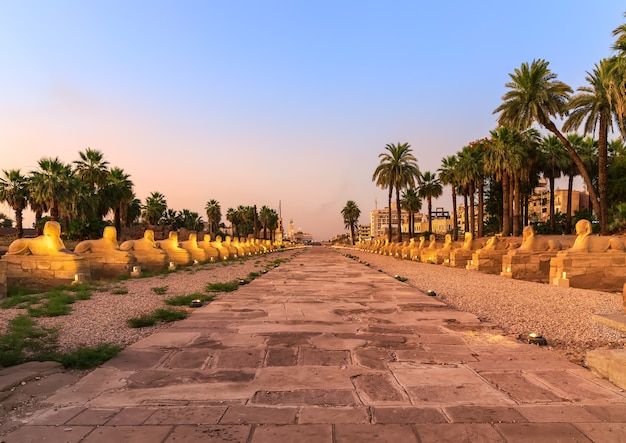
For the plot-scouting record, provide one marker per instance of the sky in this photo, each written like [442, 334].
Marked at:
[273, 102]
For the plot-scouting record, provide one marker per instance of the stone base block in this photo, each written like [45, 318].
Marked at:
[529, 266]
[179, 258]
[609, 364]
[460, 257]
[109, 265]
[602, 271]
[154, 260]
[44, 271]
[487, 261]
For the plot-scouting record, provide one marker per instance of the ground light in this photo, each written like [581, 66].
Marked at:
[535, 338]
[196, 303]
[431, 293]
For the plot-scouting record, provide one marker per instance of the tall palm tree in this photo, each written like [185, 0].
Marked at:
[351, 214]
[552, 164]
[448, 175]
[397, 169]
[535, 96]
[155, 207]
[51, 184]
[412, 203]
[93, 172]
[430, 188]
[214, 216]
[36, 201]
[234, 217]
[616, 85]
[592, 108]
[571, 171]
[13, 191]
[118, 193]
[131, 211]
[265, 218]
[470, 173]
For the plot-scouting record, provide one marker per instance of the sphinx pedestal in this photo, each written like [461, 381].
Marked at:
[109, 265]
[603, 271]
[151, 260]
[460, 257]
[3, 279]
[527, 265]
[488, 261]
[44, 271]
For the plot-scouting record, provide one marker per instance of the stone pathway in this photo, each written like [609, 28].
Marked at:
[324, 349]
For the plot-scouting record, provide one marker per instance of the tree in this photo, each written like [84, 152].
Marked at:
[397, 169]
[553, 162]
[535, 96]
[5, 221]
[592, 108]
[412, 203]
[118, 192]
[470, 172]
[448, 175]
[266, 218]
[430, 188]
[214, 216]
[155, 207]
[93, 173]
[351, 214]
[131, 212]
[13, 191]
[51, 184]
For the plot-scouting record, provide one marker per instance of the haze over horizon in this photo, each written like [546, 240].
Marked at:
[252, 103]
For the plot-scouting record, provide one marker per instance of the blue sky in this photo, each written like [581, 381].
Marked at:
[256, 102]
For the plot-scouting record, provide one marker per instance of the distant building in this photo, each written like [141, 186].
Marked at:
[539, 203]
[379, 221]
[365, 233]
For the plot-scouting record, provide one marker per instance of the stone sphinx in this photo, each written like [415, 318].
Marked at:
[49, 243]
[224, 252]
[429, 253]
[406, 250]
[587, 242]
[212, 253]
[147, 252]
[442, 255]
[175, 253]
[416, 251]
[191, 245]
[43, 262]
[593, 262]
[488, 259]
[531, 261]
[460, 256]
[227, 243]
[106, 259]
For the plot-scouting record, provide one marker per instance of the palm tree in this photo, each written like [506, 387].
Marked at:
[155, 207]
[93, 173]
[351, 214]
[430, 188]
[13, 191]
[535, 95]
[553, 162]
[448, 175]
[51, 184]
[412, 203]
[118, 192]
[571, 171]
[214, 216]
[592, 108]
[470, 173]
[397, 169]
[234, 217]
[131, 211]
[36, 201]
[265, 217]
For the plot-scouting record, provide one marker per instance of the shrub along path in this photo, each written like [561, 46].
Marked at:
[325, 349]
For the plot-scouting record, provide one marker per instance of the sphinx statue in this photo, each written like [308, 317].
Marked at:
[587, 242]
[44, 261]
[231, 248]
[532, 242]
[49, 243]
[223, 250]
[432, 244]
[447, 243]
[106, 259]
[469, 243]
[495, 244]
[191, 245]
[175, 253]
[211, 252]
[147, 252]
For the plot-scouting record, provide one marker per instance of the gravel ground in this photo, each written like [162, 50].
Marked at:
[102, 318]
[562, 315]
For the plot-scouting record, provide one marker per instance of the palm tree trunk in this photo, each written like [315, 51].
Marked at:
[603, 135]
[472, 215]
[117, 221]
[38, 217]
[481, 215]
[466, 209]
[506, 205]
[517, 206]
[430, 214]
[390, 195]
[568, 216]
[552, 219]
[399, 214]
[19, 228]
[455, 216]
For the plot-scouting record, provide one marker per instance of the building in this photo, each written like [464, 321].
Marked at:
[379, 221]
[539, 203]
[364, 233]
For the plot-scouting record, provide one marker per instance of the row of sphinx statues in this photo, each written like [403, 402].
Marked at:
[106, 258]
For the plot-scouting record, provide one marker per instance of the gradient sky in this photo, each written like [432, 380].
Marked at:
[256, 102]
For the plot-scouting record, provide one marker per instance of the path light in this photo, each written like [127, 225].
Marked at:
[172, 266]
[431, 293]
[136, 272]
[508, 269]
[196, 262]
[78, 279]
[242, 282]
[535, 338]
[196, 303]
[564, 275]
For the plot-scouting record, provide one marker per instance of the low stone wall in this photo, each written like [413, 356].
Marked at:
[44, 272]
[602, 271]
[109, 265]
[3, 279]
[530, 266]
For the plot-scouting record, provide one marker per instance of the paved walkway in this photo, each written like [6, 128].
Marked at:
[324, 349]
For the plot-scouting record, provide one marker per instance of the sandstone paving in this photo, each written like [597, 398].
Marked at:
[326, 349]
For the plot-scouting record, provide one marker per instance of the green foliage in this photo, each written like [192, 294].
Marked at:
[24, 340]
[80, 229]
[159, 315]
[20, 300]
[223, 287]
[85, 358]
[159, 290]
[56, 304]
[119, 291]
[185, 300]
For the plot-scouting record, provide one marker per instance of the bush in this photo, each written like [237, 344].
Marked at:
[86, 358]
[185, 300]
[159, 315]
[24, 340]
[223, 287]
